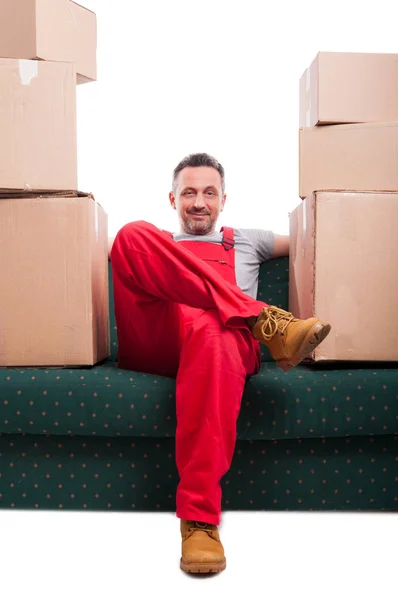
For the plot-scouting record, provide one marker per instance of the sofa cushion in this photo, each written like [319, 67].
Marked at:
[273, 288]
[105, 400]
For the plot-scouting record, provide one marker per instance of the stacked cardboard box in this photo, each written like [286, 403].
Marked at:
[53, 239]
[344, 246]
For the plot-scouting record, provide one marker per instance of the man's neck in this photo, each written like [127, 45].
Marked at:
[197, 233]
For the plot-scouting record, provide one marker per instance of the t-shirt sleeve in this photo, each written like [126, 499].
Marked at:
[262, 241]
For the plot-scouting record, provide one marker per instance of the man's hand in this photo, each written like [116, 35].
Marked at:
[281, 246]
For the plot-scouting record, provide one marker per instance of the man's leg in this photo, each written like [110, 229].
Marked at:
[153, 276]
[214, 364]
[148, 259]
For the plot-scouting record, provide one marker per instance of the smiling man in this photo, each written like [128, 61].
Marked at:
[185, 307]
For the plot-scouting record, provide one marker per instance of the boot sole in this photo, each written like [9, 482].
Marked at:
[203, 567]
[314, 337]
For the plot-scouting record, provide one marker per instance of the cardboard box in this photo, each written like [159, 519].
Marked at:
[54, 30]
[343, 269]
[344, 87]
[361, 157]
[84, 37]
[38, 146]
[54, 268]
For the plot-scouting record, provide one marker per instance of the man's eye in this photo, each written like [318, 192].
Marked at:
[211, 193]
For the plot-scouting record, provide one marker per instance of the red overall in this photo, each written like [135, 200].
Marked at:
[179, 313]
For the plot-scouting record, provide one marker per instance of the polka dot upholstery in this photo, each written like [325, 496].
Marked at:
[124, 474]
[106, 400]
[102, 438]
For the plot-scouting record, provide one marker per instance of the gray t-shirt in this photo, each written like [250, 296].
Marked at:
[252, 247]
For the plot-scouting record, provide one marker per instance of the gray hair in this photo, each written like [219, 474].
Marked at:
[198, 160]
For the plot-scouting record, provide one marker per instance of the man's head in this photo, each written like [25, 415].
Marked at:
[198, 193]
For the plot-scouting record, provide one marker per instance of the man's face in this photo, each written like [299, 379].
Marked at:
[198, 199]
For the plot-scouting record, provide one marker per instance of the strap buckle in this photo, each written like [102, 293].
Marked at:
[228, 243]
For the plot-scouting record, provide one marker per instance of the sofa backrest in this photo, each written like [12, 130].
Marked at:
[273, 288]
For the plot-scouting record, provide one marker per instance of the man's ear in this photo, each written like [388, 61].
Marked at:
[172, 200]
[224, 199]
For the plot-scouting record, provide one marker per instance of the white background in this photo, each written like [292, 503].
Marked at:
[216, 76]
[177, 77]
[270, 556]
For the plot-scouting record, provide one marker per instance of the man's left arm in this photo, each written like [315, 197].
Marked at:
[281, 246]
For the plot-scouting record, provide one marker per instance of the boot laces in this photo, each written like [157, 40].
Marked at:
[198, 526]
[277, 319]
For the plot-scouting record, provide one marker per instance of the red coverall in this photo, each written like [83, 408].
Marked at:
[179, 313]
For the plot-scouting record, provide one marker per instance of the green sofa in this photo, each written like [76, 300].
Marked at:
[102, 438]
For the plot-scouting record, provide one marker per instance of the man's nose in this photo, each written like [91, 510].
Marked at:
[199, 202]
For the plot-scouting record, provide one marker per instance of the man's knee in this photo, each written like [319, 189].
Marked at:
[134, 229]
[134, 236]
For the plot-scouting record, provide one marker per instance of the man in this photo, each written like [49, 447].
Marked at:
[185, 307]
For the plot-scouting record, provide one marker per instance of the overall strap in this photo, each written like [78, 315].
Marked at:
[228, 240]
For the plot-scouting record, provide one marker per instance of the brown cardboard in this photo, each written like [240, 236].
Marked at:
[54, 30]
[38, 146]
[343, 269]
[84, 24]
[54, 272]
[348, 87]
[301, 253]
[362, 157]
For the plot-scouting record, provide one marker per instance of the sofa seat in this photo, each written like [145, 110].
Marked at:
[105, 400]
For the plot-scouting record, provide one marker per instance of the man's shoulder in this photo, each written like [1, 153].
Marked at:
[260, 240]
[252, 234]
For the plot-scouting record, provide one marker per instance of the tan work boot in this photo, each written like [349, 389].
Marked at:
[202, 550]
[288, 339]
